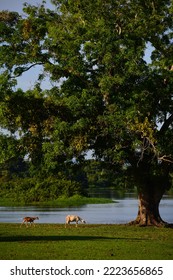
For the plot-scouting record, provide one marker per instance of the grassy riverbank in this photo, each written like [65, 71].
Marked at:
[54, 241]
[63, 201]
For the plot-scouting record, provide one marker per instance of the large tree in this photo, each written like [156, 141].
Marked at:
[105, 97]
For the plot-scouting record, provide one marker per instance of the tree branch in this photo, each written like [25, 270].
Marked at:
[166, 124]
[23, 69]
[166, 158]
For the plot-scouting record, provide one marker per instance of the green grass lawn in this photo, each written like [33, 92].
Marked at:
[86, 242]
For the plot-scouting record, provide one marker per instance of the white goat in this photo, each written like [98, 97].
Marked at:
[29, 220]
[74, 218]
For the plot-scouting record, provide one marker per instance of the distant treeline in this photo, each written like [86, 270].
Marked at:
[20, 181]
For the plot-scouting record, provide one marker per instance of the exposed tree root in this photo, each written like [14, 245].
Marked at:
[156, 223]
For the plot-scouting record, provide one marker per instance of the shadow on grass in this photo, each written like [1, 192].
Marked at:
[61, 238]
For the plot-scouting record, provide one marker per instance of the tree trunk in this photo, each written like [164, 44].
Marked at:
[148, 208]
[148, 212]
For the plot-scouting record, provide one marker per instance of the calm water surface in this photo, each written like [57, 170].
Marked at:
[123, 211]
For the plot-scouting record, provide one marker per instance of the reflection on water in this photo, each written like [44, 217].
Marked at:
[122, 211]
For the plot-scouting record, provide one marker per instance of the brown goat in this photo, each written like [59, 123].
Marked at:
[30, 220]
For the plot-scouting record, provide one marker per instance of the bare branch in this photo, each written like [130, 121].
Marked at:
[23, 69]
[165, 158]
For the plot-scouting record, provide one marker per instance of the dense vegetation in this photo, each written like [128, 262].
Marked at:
[93, 180]
[103, 97]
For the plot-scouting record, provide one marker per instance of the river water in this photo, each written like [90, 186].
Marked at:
[119, 212]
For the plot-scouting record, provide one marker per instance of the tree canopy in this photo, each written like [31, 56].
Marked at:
[105, 96]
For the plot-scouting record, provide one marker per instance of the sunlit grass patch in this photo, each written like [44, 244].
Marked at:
[51, 241]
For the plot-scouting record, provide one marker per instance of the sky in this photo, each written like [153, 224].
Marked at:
[17, 5]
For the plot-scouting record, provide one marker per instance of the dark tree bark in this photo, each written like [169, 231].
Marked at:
[148, 208]
[151, 189]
